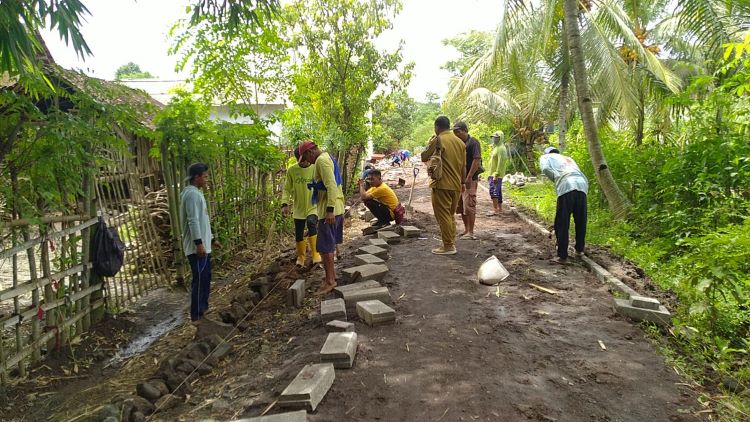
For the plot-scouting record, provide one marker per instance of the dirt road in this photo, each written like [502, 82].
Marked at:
[459, 351]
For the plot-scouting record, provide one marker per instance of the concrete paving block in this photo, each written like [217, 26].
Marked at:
[409, 231]
[375, 312]
[606, 277]
[296, 416]
[309, 387]
[380, 243]
[366, 258]
[381, 253]
[340, 349]
[376, 293]
[389, 236]
[660, 316]
[337, 326]
[332, 309]
[368, 272]
[644, 302]
[296, 294]
[341, 290]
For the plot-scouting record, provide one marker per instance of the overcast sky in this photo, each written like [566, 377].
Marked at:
[120, 31]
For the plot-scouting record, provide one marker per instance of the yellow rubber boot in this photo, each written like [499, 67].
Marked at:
[315, 255]
[301, 247]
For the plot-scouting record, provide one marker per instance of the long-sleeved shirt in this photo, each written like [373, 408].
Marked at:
[498, 161]
[296, 192]
[194, 220]
[454, 161]
[333, 195]
[564, 172]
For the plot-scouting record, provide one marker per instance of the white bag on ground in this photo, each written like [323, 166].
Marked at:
[492, 271]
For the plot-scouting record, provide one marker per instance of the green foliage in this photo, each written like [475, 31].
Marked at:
[20, 20]
[50, 141]
[392, 118]
[471, 46]
[341, 69]
[245, 63]
[423, 124]
[131, 70]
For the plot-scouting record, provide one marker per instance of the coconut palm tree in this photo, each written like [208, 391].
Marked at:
[534, 32]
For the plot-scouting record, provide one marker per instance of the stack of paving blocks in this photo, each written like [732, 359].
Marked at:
[296, 294]
[409, 231]
[309, 387]
[375, 312]
[337, 326]
[332, 309]
[340, 349]
[381, 253]
[367, 272]
[366, 290]
[366, 258]
[389, 236]
[640, 308]
[380, 243]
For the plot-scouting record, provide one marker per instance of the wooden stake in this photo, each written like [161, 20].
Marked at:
[543, 289]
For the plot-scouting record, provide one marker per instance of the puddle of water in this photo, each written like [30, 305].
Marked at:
[142, 342]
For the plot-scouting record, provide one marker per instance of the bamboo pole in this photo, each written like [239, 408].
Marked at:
[14, 240]
[50, 317]
[89, 210]
[174, 214]
[137, 287]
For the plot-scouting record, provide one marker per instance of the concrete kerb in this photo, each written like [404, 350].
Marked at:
[640, 309]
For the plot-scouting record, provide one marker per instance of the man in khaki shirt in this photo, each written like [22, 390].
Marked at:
[447, 191]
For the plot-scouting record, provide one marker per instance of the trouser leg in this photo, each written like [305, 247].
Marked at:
[299, 229]
[200, 286]
[562, 224]
[580, 217]
[206, 274]
[444, 204]
[379, 210]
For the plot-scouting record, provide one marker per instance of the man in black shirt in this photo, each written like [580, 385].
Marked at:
[467, 207]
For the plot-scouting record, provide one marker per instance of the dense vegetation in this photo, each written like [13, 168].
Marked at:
[649, 97]
[671, 118]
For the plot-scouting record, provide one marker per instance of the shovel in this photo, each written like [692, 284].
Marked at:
[415, 170]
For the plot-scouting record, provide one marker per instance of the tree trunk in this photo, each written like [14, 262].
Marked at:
[618, 203]
[641, 118]
[564, 94]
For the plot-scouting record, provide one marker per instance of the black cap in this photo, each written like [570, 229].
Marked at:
[460, 125]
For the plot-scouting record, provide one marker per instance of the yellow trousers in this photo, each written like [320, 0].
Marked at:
[444, 204]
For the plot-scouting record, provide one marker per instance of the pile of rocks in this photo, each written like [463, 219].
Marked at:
[339, 351]
[170, 383]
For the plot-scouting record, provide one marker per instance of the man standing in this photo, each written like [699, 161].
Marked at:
[304, 212]
[379, 198]
[467, 205]
[571, 186]
[447, 191]
[197, 238]
[496, 170]
[329, 197]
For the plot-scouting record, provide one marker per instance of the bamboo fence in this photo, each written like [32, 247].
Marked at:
[53, 295]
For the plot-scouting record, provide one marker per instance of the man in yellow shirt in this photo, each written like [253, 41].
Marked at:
[447, 190]
[303, 210]
[379, 199]
[329, 198]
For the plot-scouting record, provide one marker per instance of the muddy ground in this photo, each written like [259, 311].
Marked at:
[458, 350]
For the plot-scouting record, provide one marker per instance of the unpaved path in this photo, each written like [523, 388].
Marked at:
[460, 352]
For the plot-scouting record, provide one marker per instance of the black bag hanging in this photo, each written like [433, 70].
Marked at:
[108, 251]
